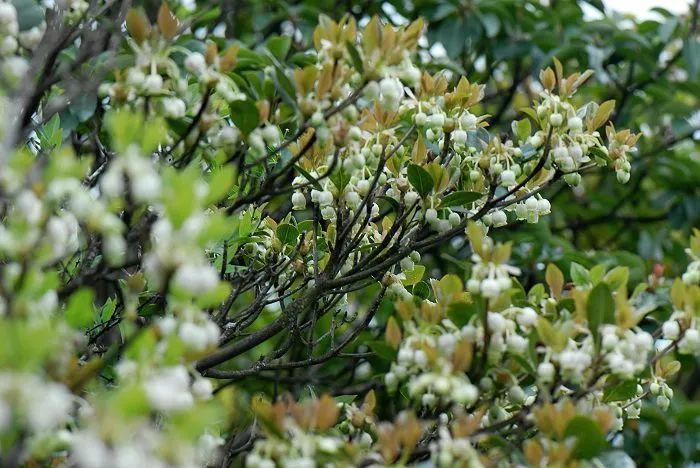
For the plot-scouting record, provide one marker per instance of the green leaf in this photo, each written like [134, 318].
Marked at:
[214, 297]
[599, 153]
[179, 195]
[691, 53]
[597, 273]
[621, 391]
[551, 337]
[420, 179]
[461, 312]
[590, 440]
[355, 57]
[279, 46]
[617, 277]
[600, 307]
[79, 310]
[245, 115]
[579, 275]
[29, 14]
[382, 349]
[421, 290]
[313, 180]
[285, 87]
[340, 179]
[521, 129]
[220, 183]
[414, 276]
[460, 198]
[51, 134]
[287, 234]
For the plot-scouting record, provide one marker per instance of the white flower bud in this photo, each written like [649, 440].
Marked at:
[363, 187]
[271, 134]
[325, 198]
[429, 400]
[420, 118]
[352, 199]
[516, 394]
[135, 77]
[468, 120]
[474, 286]
[496, 322]
[411, 197]
[556, 119]
[354, 133]
[671, 329]
[202, 389]
[317, 119]
[406, 264]
[372, 90]
[623, 177]
[575, 124]
[507, 178]
[499, 218]
[298, 201]
[436, 121]
[654, 388]
[459, 136]
[391, 381]
[8, 45]
[195, 63]
[431, 215]
[466, 394]
[14, 69]
[420, 358]
[328, 213]
[545, 372]
[153, 83]
[8, 14]
[516, 344]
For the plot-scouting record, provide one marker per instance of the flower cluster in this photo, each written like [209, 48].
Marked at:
[218, 198]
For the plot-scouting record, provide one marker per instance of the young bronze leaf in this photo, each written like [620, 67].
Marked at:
[138, 25]
[167, 22]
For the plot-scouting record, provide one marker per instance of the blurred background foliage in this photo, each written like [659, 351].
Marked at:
[650, 66]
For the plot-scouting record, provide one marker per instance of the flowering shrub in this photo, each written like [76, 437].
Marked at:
[203, 218]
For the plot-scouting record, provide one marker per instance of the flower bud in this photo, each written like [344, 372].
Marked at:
[556, 119]
[298, 201]
[459, 137]
[545, 372]
[420, 118]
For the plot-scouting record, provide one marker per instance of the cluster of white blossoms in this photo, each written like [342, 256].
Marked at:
[490, 278]
[452, 449]
[14, 67]
[683, 325]
[301, 450]
[429, 362]
[35, 404]
[141, 445]
[304, 435]
[627, 352]
[170, 220]
[692, 273]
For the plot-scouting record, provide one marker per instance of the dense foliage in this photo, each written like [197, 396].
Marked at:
[324, 234]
